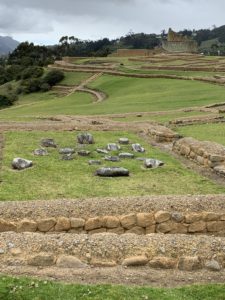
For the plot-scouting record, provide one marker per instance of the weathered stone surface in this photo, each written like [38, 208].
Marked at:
[135, 261]
[99, 230]
[193, 217]
[48, 143]
[210, 216]
[66, 151]
[113, 147]
[162, 216]
[212, 265]
[126, 155]
[111, 222]
[150, 229]
[93, 223]
[45, 225]
[136, 230]
[128, 221]
[123, 141]
[189, 263]
[215, 226]
[112, 172]
[94, 162]
[67, 156]
[102, 151]
[112, 158]
[27, 226]
[145, 219]
[77, 222]
[161, 262]
[151, 163]
[7, 226]
[68, 261]
[84, 152]
[166, 227]
[15, 251]
[42, 260]
[179, 228]
[118, 230]
[21, 163]
[40, 152]
[77, 230]
[85, 138]
[199, 226]
[62, 224]
[138, 148]
[102, 264]
[177, 216]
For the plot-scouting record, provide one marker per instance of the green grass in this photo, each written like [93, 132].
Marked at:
[205, 132]
[124, 95]
[52, 178]
[75, 78]
[12, 288]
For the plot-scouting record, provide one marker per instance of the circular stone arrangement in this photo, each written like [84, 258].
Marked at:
[88, 139]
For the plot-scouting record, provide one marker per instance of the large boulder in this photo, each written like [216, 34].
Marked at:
[153, 163]
[21, 163]
[48, 143]
[112, 172]
[138, 148]
[85, 138]
[113, 147]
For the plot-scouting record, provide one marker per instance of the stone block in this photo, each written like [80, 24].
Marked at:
[69, 261]
[215, 226]
[197, 227]
[93, 223]
[193, 217]
[163, 263]
[27, 226]
[210, 216]
[128, 221]
[135, 261]
[145, 219]
[166, 227]
[7, 226]
[137, 230]
[189, 263]
[62, 224]
[77, 222]
[118, 230]
[45, 225]
[162, 216]
[42, 260]
[111, 222]
[150, 229]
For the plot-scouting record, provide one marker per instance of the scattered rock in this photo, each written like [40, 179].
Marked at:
[94, 162]
[68, 261]
[40, 152]
[112, 172]
[67, 156]
[153, 163]
[212, 265]
[138, 148]
[84, 153]
[66, 151]
[2, 251]
[102, 151]
[126, 155]
[135, 261]
[85, 138]
[113, 147]
[21, 163]
[112, 158]
[123, 141]
[42, 260]
[48, 143]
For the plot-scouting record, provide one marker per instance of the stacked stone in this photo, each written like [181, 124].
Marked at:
[162, 134]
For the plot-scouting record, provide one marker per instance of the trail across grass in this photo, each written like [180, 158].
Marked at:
[12, 288]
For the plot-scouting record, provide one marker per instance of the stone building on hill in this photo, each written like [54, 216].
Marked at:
[176, 43]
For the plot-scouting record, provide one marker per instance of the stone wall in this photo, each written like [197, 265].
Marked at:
[164, 222]
[186, 46]
[132, 52]
[207, 154]
[162, 134]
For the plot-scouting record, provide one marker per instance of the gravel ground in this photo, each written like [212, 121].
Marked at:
[110, 206]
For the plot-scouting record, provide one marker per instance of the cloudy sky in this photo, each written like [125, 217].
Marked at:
[45, 21]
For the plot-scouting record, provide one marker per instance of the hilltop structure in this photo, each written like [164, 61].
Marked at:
[178, 43]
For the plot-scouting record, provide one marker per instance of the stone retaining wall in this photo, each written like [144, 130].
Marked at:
[162, 134]
[207, 154]
[108, 250]
[198, 120]
[164, 222]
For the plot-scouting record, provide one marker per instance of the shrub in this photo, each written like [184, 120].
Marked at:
[53, 77]
[45, 87]
[31, 85]
[32, 72]
[7, 100]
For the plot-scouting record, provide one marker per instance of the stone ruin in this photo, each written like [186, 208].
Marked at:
[176, 43]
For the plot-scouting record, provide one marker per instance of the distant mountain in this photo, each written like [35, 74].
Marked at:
[7, 44]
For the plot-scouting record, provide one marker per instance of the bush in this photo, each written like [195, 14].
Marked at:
[53, 77]
[31, 85]
[32, 72]
[45, 87]
[7, 100]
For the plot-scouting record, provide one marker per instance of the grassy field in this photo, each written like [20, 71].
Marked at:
[205, 132]
[52, 178]
[124, 95]
[12, 288]
[75, 78]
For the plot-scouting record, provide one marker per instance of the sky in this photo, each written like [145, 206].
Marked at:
[45, 21]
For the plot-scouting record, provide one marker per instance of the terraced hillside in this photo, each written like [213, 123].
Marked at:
[160, 226]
